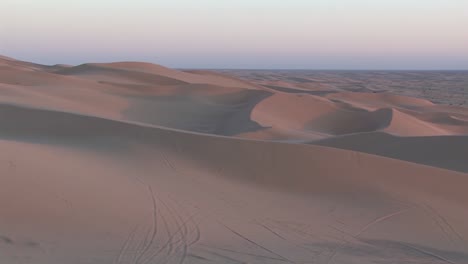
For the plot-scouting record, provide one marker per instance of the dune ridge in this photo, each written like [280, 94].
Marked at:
[133, 163]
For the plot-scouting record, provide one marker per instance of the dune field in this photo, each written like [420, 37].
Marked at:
[135, 163]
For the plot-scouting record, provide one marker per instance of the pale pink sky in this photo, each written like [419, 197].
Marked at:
[333, 34]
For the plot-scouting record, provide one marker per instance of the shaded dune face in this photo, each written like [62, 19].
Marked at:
[440, 151]
[222, 114]
[135, 163]
[352, 122]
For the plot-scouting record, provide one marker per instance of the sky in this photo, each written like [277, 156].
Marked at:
[246, 34]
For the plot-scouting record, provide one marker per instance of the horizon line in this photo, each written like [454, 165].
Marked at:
[315, 69]
[258, 69]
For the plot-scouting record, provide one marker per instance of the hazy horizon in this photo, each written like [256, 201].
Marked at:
[256, 34]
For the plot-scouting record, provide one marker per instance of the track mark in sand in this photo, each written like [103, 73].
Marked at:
[181, 233]
[225, 257]
[340, 231]
[255, 243]
[340, 245]
[126, 245]
[434, 214]
[168, 232]
[443, 222]
[271, 230]
[197, 235]
[198, 257]
[6, 240]
[170, 241]
[154, 228]
[334, 252]
[141, 246]
[290, 242]
[169, 244]
[245, 253]
[365, 228]
[428, 253]
[300, 231]
[184, 238]
[294, 227]
[381, 219]
[167, 162]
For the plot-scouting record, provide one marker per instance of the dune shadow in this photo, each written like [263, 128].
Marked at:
[299, 91]
[226, 114]
[389, 251]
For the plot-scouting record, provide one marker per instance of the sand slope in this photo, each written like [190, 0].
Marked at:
[142, 171]
[441, 151]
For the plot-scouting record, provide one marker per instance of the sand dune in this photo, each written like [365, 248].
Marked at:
[439, 151]
[372, 100]
[324, 118]
[265, 170]
[316, 115]
[145, 73]
[132, 163]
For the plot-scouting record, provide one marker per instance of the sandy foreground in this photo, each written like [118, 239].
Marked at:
[135, 163]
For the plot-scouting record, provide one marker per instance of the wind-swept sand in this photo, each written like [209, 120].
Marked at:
[137, 163]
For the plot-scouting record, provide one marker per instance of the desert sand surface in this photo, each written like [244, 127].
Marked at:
[136, 163]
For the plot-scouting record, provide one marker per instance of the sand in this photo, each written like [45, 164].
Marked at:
[132, 162]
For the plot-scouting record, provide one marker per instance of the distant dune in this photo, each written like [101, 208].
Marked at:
[135, 163]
